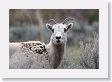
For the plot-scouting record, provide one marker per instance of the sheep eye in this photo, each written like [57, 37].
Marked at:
[53, 30]
[65, 29]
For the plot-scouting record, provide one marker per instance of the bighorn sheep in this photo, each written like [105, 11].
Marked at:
[37, 55]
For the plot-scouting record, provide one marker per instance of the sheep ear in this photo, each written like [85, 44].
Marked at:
[49, 27]
[69, 26]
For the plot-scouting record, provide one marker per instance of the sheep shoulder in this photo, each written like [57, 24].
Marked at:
[36, 47]
[31, 54]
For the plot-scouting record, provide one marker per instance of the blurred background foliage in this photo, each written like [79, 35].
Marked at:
[29, 24]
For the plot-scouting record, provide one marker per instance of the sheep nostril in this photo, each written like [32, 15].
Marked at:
[58, 37]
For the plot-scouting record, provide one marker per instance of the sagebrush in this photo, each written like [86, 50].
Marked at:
[89, 53]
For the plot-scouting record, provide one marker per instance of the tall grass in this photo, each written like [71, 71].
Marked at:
[89, 53]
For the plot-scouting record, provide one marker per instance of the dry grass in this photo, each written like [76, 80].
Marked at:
[89, 53]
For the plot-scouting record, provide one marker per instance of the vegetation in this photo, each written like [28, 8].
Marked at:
[89, 53]
[29, 24]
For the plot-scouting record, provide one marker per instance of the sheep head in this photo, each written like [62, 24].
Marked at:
[59, 31]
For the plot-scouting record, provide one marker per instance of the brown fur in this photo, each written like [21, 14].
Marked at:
[35, 47]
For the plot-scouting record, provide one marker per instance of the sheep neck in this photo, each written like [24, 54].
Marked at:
[56, 54]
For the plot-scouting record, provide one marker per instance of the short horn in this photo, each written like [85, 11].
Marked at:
[52, 20]
[67, 19]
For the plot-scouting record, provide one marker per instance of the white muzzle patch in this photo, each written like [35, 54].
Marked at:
[58, 34]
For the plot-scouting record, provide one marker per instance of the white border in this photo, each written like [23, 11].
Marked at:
[102, 72]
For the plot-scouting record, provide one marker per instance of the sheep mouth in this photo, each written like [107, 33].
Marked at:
[58, 41]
